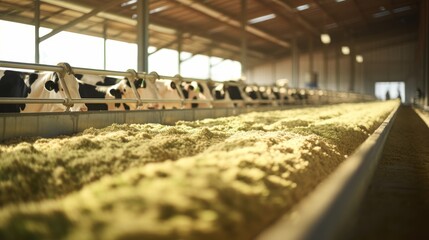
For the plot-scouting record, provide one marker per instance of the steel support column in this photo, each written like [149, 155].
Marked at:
[179, 52]
[295, 63]
[142, 35]
[325, 67]
[243, 57]
[337, 68]
[352, 70]
[210, 64]
[36, 31]
[425, 62]
[311, 60]
[105, 45]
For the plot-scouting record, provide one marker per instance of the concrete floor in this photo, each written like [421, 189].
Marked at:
[396, 205]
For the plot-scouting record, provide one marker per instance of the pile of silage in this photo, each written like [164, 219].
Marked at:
[224, 178]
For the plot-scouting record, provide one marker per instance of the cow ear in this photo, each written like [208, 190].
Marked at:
[138, 83]
[128, 82]
[50, 85]
[173, 85]
[78, 76]
[33, 77]
[201, 88]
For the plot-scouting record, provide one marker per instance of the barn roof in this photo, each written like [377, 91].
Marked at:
[213, 27]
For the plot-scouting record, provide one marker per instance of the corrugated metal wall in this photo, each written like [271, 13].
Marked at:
[392, 62]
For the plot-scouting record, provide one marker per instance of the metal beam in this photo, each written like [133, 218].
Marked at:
[52, 15]
[154, 26]
[105, 45]
[109, 16]
[337, 68]
[295, 62]
[338, 23]
[17, 9]
[79, 19]
[36, 31]
[362, 14]
[199, 7]
[179, 52]
[208, 49]
[243, 55]
[82, 30]
[142, 35]
[325, 67]
[291, 16]
[352, 68]
[169, 44]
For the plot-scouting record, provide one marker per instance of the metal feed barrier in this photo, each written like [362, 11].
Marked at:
[52, 124]
[328, 211]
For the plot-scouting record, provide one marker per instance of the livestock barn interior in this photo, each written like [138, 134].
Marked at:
[325, 134]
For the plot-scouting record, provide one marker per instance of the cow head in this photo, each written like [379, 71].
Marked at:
[57, 89]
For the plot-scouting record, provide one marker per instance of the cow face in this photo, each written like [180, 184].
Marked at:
[167, 89]
[13, 84]
[48, 85]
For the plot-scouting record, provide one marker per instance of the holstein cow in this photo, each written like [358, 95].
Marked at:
[14, 84]
[167, 89]
[45, 85]
[112, 88]
[88, 89]
[195, 91]
[221, 96]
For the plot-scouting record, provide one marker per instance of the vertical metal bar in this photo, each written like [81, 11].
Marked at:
[105, 45]
[325, 67]
[352, 80]
[352, 71]
[311, 55]
[337, 68]
[142, 35]
[243, 57]
[426, 51]
[179, 52]
[210, 64]
[295, 63]
[36, 31]
[273, 71]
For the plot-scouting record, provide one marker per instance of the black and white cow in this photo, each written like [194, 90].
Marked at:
[13, 84]
[223, 93]
[46, 85]
[93, 86]
[167, 89]
[195, 91]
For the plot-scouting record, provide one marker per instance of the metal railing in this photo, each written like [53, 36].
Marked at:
[131, 75]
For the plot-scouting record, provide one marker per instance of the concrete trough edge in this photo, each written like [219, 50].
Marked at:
[16, 125]
[326, 212]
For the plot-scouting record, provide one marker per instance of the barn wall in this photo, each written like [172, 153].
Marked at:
[384, 61]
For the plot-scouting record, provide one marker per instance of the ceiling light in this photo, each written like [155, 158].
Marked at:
[325, 38]
[159, 9]
[338, 1]
[303, 7]
[401, 9]
[345, 50]
[359, 58]
[128, 3]
[381, 14]
[262, 18]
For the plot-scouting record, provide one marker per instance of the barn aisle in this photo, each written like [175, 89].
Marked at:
[396, 205]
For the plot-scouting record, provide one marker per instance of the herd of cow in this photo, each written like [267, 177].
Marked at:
[145, 94]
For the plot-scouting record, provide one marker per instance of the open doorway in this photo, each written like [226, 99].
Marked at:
[390, 90]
